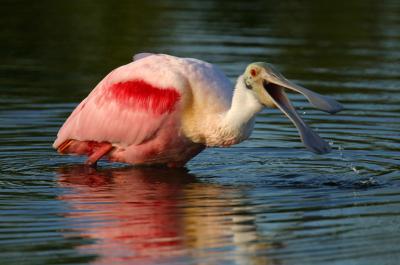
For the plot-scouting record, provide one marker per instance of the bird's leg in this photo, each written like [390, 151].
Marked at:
[98, 153]
[90, 163]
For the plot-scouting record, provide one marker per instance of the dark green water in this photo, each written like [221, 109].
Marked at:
[265, 201]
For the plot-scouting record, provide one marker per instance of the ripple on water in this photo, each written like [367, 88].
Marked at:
[265, 201]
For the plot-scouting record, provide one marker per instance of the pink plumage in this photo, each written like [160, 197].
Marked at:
[139, 95]
[164, 110]
[133, 116]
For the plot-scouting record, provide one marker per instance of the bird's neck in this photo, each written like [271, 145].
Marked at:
[238, 121]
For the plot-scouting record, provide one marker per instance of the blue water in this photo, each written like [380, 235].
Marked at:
[264, 201]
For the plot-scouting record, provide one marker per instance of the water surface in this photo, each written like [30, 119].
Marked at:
[264, 201]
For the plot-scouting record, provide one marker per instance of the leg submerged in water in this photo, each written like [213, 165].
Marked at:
[104, 149]
[94, 150]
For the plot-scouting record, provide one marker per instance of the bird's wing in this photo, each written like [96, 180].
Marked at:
[121, 111]
[142, 55]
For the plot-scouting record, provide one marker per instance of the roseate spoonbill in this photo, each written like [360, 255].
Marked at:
[164, 110]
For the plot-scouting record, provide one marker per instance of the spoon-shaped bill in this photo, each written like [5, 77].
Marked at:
[310, 139]
[320, 102]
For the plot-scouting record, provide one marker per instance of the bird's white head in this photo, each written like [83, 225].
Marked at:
[268, 85]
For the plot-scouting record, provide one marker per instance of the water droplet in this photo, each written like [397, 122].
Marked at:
[355, 170]
[368, 182]
[341, 149]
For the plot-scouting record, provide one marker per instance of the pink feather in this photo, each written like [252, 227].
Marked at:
[136, 117]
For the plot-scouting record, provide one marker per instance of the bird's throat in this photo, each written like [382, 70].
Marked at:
[237, 123]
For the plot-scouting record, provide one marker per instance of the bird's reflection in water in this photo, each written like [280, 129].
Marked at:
[149, 215]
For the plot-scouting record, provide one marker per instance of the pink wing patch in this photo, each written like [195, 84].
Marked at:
[140, 95]
[122, 113]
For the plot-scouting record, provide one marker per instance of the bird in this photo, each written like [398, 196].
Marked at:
[163, 110]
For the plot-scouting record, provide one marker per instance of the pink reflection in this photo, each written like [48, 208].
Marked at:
[132, 214]
[147, 215]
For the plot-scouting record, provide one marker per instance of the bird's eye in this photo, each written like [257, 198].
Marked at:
[253, 72]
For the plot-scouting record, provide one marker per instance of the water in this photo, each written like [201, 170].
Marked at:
[265, 201]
